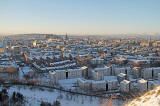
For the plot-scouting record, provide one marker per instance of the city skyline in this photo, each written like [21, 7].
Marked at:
[82, 17]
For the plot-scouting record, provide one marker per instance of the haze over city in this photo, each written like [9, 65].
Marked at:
[79, 53]
[80, 17]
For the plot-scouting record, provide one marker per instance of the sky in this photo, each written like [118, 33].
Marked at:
[82, 17]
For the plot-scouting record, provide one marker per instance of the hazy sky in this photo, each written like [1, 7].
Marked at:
[80, 16]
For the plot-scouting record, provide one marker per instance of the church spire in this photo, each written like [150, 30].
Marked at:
[66, 37]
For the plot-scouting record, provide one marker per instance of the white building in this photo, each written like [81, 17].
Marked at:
[118, 70]
[97, 61]
[125, 86]
[97, 75]
[57, 75]
[151, 85]
[142, 85]
[133, 86]
[156, 70]
[99, 85]
[136, 72]
[106, 71]
[147, 73]
[112, 84]
[75, 73]
[121, 77]
[65, 74]
[87, 84]
[91, 84]
[158, 76]
[85, 71]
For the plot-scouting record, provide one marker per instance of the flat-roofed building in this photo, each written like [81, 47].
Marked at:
[121, 77]
[147, 73]
[125, 86]
[142, 85]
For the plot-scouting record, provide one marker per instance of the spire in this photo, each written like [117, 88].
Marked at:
[66, 36]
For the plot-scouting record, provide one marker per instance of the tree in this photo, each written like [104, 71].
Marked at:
[4, 95]
[14, 96]
[70, 57]
[56, 103]
[45, 104]
[17, 97]
[4, 91]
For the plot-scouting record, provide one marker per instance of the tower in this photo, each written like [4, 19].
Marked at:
[66, 37]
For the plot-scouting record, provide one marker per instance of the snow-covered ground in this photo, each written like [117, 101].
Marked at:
[27, 69]
[35, 95]
[151, 98]
[24, 70]
[68, 83]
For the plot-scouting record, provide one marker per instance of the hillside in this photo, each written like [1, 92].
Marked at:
[149, 98]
